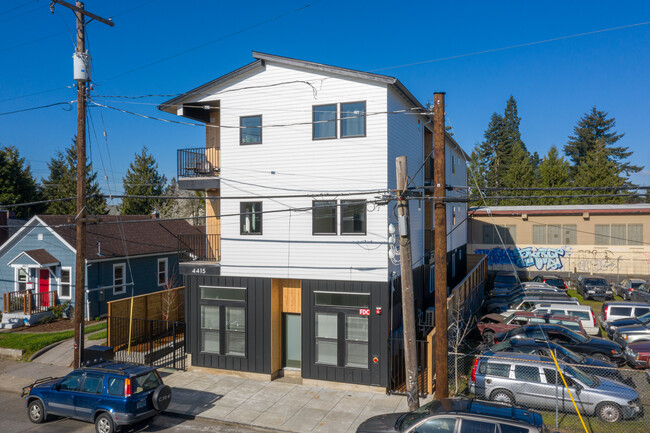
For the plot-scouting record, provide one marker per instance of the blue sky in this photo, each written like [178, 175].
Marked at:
[554, 83]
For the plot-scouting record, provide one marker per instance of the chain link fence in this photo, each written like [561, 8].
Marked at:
[610, 399]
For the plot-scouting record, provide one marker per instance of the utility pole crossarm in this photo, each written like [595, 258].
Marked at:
[84, 12]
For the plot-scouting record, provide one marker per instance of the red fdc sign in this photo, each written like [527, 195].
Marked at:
[364, 311]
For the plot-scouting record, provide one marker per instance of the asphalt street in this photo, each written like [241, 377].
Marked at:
[13, 419]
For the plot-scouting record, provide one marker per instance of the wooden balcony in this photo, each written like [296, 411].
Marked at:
[28, 302]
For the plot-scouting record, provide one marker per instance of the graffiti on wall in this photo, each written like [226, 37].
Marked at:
[596, 261]
[549, 259]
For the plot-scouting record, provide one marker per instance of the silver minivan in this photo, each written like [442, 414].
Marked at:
[583, 312]
[532, 380]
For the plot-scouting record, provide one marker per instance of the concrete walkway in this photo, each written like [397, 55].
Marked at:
[275, 405]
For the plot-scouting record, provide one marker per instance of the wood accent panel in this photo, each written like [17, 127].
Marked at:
[291, 296]
[212, 135]
[276, 325]
[213, 222]
[163, 305]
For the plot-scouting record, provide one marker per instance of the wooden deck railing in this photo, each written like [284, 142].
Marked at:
[28, 302]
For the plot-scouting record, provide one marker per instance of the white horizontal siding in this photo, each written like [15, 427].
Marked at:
[406, 138]
[456, 176]
[289, 162]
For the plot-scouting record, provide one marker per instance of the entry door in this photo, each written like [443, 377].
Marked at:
[291, 340]
[44, 286]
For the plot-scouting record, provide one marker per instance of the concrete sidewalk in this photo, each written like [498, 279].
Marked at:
[275, 405]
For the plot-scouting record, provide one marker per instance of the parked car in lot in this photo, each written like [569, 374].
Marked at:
[618, 314]
[491, 324]
[108, 394]
[641, 293]
[638, 354]
[506, 279]
[533, 380]
[594, 288]
[629, 334]
[543, 348]
[625, 288]
[460, 415]
[528, 303]
[523, 288]
[515, 302]
[552, 280]
[594, 347]
[583, 312]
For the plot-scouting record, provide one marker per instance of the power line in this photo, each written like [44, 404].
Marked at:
[69, 104]
[17, 7]
[514, 46]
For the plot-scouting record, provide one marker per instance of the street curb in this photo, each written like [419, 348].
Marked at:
[220, 421]
[45, 349]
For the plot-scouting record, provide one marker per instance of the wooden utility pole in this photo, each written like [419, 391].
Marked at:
[408, 302]
[440, 260]
[80, 268]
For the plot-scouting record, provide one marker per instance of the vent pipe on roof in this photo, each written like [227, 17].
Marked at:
[155, 214]
[99, 248]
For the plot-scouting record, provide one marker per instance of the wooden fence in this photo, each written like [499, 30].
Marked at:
[464, 291]
[28, 302]
[167, 305]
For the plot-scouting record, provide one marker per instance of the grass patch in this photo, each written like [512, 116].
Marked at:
[98, 336]
[95, 328]
[31, 343]
[570, 423]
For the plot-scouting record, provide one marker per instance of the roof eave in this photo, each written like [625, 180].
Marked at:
[170, 106]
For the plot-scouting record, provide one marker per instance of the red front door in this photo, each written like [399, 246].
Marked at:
[44, 287]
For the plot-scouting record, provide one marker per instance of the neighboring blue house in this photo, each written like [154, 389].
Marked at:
[125, 256]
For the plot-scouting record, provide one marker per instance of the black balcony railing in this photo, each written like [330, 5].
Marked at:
[199, 162]
[199, 247]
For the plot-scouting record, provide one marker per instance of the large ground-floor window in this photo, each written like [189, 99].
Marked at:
[341, 329]
[223, 320]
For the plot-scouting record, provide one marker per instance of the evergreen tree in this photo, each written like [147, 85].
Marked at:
[520, 173]
[142, 178]
[17, 185]
[596, 131]
[492, 151]
[62, 183]
[598, 170]
[511, 121]
[553, 173]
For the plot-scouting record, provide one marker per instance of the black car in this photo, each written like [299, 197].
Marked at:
[551, 280]
[459, 414]
[594, 288]
[505, 279]
[593, 347]
[611, 327]
[593, 366]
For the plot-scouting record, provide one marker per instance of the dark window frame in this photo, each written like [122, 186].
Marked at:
[242, 127]
[242, 215]
[222, 305]
[365, 217]
[365, 117]
[313, 218]
[335, 121]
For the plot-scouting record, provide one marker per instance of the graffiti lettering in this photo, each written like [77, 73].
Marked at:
[595, 261]
[549, 259]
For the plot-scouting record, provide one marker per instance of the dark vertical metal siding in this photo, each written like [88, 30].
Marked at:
[375, 374]
[258, 319]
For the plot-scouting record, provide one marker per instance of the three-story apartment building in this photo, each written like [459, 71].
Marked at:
[294, 272]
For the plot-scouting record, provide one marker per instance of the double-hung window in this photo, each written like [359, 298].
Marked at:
[162, 272]
[250, 130]
[324, 217]
[223, 320]
[341, 333]
[66, 281]
[119, 279]
[353, 217]
[22, 278]
[250, 217]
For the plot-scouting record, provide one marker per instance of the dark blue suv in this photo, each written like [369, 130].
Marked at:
[109, 394]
